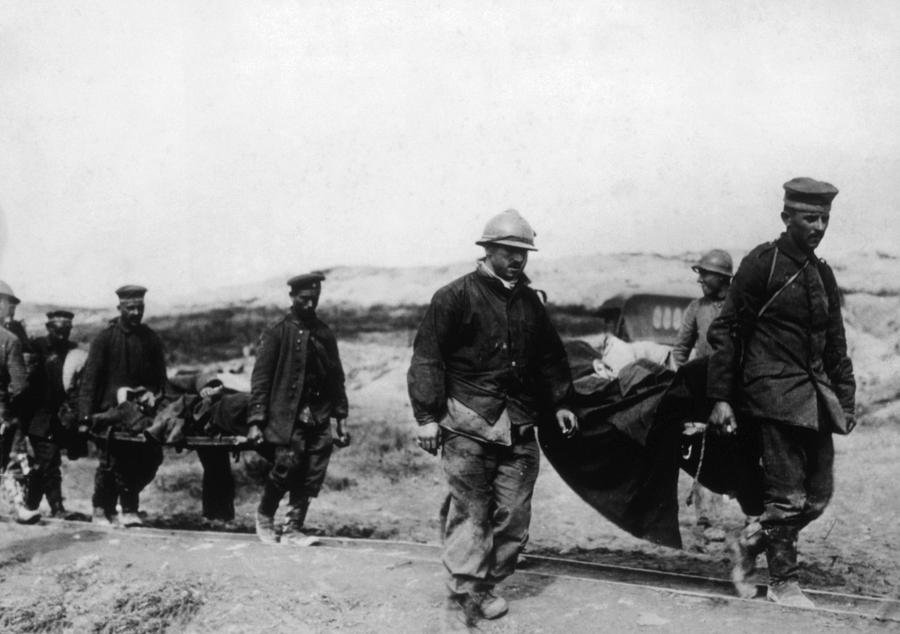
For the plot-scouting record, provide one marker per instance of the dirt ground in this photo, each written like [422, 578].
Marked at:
[382, 486]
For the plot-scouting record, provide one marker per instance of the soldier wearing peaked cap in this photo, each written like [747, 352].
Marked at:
[780, 359]
[44, 427]
[296, 387]
[487, 364]
[126, 354]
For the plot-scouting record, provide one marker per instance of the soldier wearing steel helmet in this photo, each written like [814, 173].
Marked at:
[487, 364]
[780, 359]
[714, 277]
[13, 373]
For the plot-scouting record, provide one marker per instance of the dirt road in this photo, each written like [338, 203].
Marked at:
[60, 579]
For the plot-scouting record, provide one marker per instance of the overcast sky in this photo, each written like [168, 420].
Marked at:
[189, 144]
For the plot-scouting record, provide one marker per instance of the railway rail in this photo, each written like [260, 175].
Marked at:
[873, 608]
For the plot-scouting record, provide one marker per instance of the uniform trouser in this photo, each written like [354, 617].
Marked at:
[798, 481]
[125, 469]
[45, 477]
[218, 484]
[489, 511]
[297, 468]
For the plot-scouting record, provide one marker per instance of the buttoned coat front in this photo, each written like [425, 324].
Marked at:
[790, 364]
[277, 382]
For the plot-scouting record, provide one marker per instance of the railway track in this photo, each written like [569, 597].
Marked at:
[877, 609]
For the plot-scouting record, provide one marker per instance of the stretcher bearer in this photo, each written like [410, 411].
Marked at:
[714, 272]
[13, 373]
[296, 388]
[44, 429]
[125, 354]
[487, 364]
[780, 359]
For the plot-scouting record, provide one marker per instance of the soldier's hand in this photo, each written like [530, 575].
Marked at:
[254, 434]
[567, 421]
[722, 418]
[341, 438]
[428, 437]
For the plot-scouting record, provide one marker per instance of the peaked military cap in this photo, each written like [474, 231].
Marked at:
[131, 291]
[312, 279]
[60, 315]
[807, 194]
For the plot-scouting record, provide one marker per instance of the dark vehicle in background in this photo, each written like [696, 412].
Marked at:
[644, 316]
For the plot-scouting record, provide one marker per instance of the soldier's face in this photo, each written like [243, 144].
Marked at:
[131, 312]
[58, 332]
[806, 228]
[712, 284]
[7, 307]
[507, 262]
[305, 301]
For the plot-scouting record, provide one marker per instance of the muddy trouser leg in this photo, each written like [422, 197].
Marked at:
[45, 477]
[471, 468]
[314, 453]
[106, 491]
[798, 476]
[135, 469]
[218, 484]
[276, 485]
[517, 472]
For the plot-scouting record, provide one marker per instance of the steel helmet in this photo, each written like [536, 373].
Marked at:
[510, 229]
[715, 261]
[6, 290]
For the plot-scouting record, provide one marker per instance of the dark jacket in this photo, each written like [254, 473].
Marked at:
[120, 357]
[47, 385]
[297, 366]
[13, 376]
[790, 365]
[490, 348]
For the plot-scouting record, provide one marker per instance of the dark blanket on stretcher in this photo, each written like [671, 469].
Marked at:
[625, 459]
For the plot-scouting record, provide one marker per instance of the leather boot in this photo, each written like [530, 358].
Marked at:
[781, 553]
[292, 531]
[265, 528]
[749, 545]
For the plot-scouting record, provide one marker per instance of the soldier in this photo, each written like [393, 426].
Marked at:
[780, 357]
[296, 387]
[44, 429]
[13, 380]
[714, 277]
[487, 364]
[8, 303]
[125, 354]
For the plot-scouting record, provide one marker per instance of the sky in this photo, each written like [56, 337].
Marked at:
[191, 145]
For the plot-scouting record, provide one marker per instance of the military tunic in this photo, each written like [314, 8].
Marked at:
[122, 356]
[780, 358]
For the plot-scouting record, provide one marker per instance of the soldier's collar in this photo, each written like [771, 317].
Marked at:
[786, 245]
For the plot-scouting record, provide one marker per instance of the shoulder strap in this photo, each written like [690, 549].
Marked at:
[784, 286]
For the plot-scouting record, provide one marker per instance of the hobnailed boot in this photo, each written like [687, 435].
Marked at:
[25, 515]
[130, 519]
[489, 604]
[265, 528]
[101, 518]
[788, 593]
[781, 553]
[292, 530]
[749, 545]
